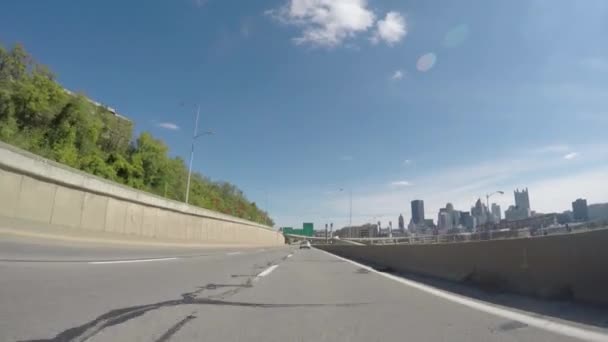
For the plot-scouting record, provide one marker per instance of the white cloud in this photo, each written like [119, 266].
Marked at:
[571, 155]
[391, 29]
[325, 22]
[346, 158]
[463, 184]
[407, 162]
[401, 183]
[397, 75]
[168, 125]
[556, 148]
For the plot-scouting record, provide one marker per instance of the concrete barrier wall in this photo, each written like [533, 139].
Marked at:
[33, 189]
[554, 266]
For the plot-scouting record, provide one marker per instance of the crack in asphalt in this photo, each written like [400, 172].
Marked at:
[175, 328]
[115, 317]
[118, 316]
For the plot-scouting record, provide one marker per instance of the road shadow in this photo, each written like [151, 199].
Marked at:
[566, 309]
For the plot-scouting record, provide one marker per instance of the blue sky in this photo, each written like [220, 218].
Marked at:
[310, 96]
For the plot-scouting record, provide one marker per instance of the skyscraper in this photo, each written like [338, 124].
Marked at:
[521, 209]
[453, 217]
[580, 211]
[496, 212]
[481, 213]
[467, 221]
[522, 200]
[418, 212]
[401, 223]
[444, 220]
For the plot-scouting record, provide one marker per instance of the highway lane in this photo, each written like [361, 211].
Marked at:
[275, 294]
[20, 249]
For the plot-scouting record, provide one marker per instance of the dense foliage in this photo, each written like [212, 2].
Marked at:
[39, 115]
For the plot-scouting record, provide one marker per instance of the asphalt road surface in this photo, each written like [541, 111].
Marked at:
[60, 292]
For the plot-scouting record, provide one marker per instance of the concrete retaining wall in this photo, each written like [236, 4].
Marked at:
[569, 265]
[33, 189]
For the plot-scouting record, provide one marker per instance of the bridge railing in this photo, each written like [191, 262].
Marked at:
[472, 236]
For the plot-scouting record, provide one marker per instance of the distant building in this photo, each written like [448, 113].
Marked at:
[401, 224]
[417, 211]
[539, 221]
[444, 220]
[478, 209]
[598, 211]
[412, 227]
[522, 200]
[456, 218]
[467, 221]
[363, 231]
[580, 211]
[480, 213]
[454, 215]
[428, 223]
[514, 213]
[565, 217]
[463, 218]
[448, 218]
[320, 233]
[496, 214]
[521, 210]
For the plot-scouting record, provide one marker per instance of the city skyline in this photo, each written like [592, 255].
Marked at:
[386, 203]
[450, 217]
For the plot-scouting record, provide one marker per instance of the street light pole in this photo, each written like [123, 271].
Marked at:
[195, 136]
[490, 195]
[198, 112]
[488, 205]
[350, 211]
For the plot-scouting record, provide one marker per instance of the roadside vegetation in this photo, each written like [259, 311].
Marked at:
[39, 115]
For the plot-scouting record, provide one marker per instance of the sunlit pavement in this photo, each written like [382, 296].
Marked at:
[263, 294]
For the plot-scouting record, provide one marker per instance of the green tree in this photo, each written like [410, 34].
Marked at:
[8, 122]
[126, 172]
[151, 155]
[37, 114]
[38, 98]
[14, 63]
[95, 164]
[116, 132]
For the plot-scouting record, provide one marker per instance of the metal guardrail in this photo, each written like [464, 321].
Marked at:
[473, 236]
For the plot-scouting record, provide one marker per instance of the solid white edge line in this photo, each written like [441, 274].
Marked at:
[267, 271]
[128, 261]
[234, 253]
[545, 324]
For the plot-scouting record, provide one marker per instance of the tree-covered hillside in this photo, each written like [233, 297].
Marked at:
[39, 115]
